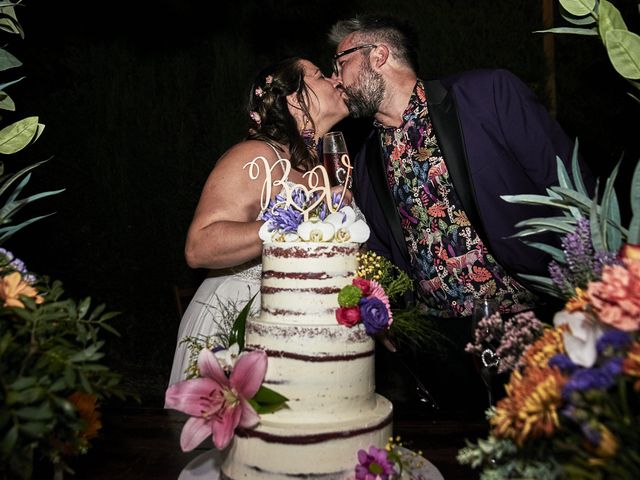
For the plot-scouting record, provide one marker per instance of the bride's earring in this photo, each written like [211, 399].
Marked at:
[308, 135]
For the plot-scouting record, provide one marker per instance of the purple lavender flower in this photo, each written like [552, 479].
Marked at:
[12, 263]
[602, 258]
[592, 434]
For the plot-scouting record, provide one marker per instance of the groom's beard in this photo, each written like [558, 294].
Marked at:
[366, 94]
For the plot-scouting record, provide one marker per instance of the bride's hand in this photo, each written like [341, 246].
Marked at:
[348, 196]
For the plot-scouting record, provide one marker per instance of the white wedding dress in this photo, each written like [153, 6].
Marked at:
[223, 294]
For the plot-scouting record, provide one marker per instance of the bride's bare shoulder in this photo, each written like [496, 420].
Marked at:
[251, 149]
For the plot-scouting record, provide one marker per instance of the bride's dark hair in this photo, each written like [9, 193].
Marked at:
[271, 120]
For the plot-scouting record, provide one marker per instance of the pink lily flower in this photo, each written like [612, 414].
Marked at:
[218, 404]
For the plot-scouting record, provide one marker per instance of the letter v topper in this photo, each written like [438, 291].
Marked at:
[318, 181]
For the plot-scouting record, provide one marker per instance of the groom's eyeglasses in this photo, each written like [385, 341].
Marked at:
[337, 67]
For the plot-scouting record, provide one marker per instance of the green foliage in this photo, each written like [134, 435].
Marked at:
[16, 136]
[48, 352]
[52, 373]
[603, 19]
[573, 203]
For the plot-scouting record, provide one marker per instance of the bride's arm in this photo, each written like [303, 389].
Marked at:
[224, 230]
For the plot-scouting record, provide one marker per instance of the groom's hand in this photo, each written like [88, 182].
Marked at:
[385, 339]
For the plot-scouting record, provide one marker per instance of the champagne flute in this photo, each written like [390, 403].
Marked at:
[336, 159]
[482, 308]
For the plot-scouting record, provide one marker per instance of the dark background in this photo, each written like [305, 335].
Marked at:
[140, 98]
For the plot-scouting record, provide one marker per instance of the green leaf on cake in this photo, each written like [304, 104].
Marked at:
[236, 335]
[267, 401]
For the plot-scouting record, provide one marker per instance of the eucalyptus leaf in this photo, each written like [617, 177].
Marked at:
[18, 135]
[623, 48]
[6, 103]
[586, 20]
[579, 8]
[7, 60]
[609, 18]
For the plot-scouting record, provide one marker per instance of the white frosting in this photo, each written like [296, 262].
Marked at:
[326, 370]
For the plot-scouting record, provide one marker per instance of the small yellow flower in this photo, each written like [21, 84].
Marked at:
[12, 286]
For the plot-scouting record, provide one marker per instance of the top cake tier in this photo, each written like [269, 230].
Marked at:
[301, 281]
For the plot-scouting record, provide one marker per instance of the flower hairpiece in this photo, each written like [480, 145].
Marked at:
[259, 91]
[255, 116]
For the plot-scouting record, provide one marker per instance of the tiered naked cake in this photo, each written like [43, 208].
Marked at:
[325, 369]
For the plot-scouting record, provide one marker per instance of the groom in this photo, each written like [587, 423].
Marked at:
[430, 175]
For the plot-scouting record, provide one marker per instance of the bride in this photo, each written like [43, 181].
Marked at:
[291, 106]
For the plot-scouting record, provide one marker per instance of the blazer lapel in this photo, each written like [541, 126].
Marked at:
[378, 179]
[449, 133]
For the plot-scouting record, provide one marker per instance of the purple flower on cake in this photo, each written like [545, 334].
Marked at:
[374, 465]
[375, 315]
[218, 403]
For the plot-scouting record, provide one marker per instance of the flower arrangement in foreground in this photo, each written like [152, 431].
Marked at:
[52, 378]
[572, 408]
[227, 393]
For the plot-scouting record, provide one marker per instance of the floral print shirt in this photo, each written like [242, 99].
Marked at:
[450, 263]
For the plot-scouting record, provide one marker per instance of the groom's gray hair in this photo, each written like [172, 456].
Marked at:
[395, 33]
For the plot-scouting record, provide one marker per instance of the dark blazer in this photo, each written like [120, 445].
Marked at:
[497, 139]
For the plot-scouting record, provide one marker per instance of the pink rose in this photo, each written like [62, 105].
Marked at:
[362, 284]
[348, 316]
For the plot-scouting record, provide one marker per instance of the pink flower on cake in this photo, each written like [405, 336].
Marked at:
[616, 299]
[217, 403]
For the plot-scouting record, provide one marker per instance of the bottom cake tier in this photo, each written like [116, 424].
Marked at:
[321, 452]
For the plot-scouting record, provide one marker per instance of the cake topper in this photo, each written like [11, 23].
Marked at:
[319, 186]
